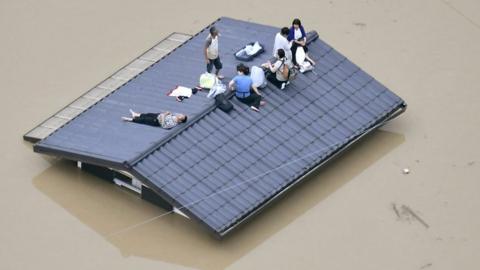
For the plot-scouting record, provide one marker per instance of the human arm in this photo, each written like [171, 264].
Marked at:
[162, 117]
[205, 51]
[303, 40]
[255, 89]
[231, 85]
[270, 66]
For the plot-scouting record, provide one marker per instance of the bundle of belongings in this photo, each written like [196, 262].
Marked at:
[250, 51]
[182, 92]
[207, 80]
[257, 75]
[217, 91]
[304, 65]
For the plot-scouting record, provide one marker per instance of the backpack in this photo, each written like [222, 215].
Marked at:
[223, 103]
[285, 71]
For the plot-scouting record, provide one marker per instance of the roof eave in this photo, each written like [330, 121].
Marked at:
[393, 114]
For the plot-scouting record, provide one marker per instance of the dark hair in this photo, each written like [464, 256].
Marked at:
[244, 69]
[281, 53]
[284, 31]
[184, 119]
[297, 22]
[212, 30]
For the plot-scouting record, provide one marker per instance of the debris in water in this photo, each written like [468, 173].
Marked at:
[426, 265]
[394, 206]
[404, 213]
[407, 211]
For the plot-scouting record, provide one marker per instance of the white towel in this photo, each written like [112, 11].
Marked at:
[181, 91]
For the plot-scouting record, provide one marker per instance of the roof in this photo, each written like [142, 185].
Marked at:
[220, 168]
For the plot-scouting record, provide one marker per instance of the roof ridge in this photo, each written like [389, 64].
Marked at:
[311, 37]
[129, 163]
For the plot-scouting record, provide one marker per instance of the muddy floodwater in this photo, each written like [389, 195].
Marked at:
[362, 211]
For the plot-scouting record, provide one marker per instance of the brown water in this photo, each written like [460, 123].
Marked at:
[360, 212]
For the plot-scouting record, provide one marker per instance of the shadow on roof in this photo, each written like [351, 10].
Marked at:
[108, 209]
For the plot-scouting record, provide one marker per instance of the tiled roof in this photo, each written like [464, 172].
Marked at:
[222, 168]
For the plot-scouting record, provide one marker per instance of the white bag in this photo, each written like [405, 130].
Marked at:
[301, 60]
[258, 77]
[207, 80]
[216, 89]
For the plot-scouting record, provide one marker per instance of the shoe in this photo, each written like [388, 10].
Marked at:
[254, 108]
[283, 86]
[262, 103]
[220, 77]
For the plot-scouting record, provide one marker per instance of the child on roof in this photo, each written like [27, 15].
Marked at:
[212, 56]
[165, 120]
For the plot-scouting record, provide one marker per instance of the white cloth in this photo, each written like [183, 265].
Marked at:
[258, 77]
[301, 61]
[253, 49]
[297, 33]
[281, 42]
[181, 91]
[217, 89]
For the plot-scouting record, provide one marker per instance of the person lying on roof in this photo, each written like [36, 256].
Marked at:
[245, 91]
[165, 120]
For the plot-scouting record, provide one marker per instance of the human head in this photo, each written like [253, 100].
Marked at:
[213, 31]
[281, 53]
[241, 68]
[181, 118]
[284, 31]
[296, 23]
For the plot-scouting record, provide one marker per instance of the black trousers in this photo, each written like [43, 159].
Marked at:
[150, 119]
[294, 51]
[252, 100]
[272, 77]
[214, 62]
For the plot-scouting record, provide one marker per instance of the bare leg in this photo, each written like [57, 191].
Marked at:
[134, 114]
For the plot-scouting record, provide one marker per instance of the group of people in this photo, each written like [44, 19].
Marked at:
[286, 44]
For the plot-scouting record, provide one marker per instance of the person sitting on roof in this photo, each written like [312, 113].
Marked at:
[280, 70]
[245, 91]
[281, 42]
[165, 120]
[298, 38]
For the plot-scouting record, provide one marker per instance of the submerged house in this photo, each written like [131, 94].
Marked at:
[219, 168]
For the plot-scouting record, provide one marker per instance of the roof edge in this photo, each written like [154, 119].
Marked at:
[173, 202]
[57, 152]
[401, 108]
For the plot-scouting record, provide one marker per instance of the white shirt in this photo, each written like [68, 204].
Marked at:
[297, 34]
[212, 49]
[282, 43]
